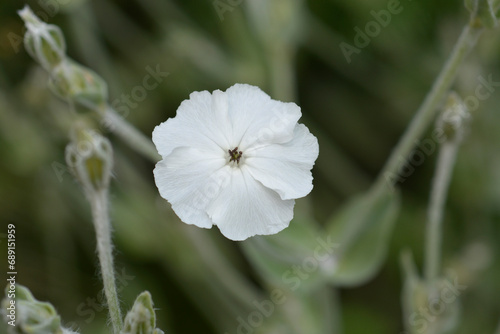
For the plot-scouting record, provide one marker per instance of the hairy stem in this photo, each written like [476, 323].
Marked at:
[99, 204]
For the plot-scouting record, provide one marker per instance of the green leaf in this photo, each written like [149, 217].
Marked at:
[362, 228]
[311, 313]
[288, 258]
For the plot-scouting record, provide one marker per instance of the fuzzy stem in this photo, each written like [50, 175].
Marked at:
[130, 134]
[440, 184]
[99, 204]
[426, 112]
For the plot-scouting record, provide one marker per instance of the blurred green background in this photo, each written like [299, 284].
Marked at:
[200, 281]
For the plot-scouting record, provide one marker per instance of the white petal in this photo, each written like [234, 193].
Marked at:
[244, 208]
[190, 182]
[201, 122]
[286, 168]
[258, 120]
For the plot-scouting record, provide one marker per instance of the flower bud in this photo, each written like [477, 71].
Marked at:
[44, 42]
[90, 157]
[79, 84]
[141, 318]
[435, 303]
[453, 119]
[32, 316]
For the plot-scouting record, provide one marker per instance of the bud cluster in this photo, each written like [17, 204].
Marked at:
[33, 316]
[69, 80]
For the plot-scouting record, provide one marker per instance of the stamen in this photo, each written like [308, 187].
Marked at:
[235, 155]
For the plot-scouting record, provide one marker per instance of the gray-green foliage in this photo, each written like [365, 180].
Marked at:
[363, 228]
[360, 107]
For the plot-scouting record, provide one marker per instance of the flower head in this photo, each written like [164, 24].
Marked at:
[236, 159]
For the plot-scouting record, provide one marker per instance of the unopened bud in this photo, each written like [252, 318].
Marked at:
[454, 118]
[44, 42]
[438, 300]
[31, 315]
[79, 84]
[90, 158]
[141, 318]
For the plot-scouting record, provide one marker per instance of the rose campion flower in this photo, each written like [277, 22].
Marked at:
[236, 159]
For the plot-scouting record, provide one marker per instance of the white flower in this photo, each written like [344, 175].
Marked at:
[235, 159]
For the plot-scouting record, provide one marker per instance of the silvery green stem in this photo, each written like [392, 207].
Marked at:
[90, 158]
[99, 204]
[446, 160]
[130, 134]
[427, 111]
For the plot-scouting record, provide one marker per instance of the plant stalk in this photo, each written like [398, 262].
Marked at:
[130, 134]
[99, 205]
[444, 169]
[427, 111]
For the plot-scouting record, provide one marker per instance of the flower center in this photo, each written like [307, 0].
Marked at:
[235, 155]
